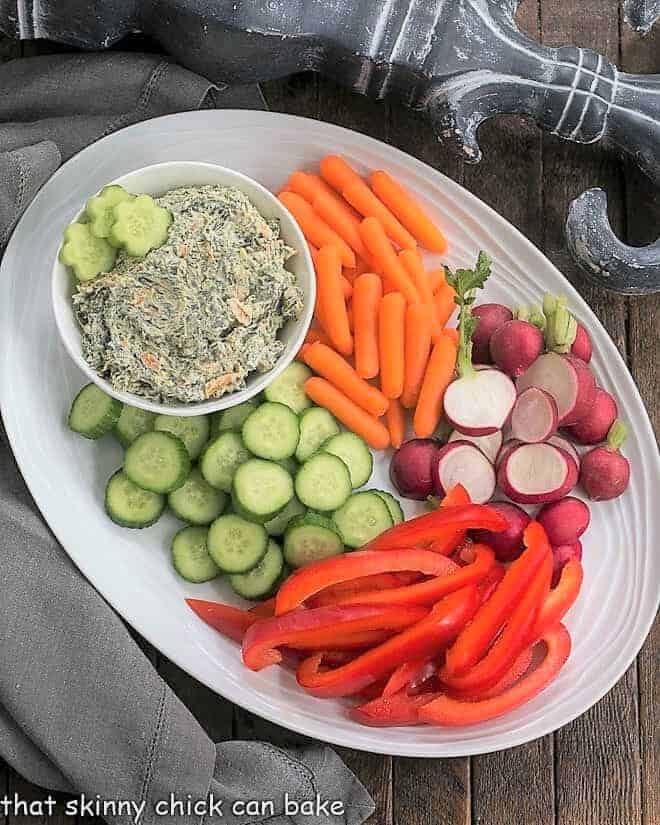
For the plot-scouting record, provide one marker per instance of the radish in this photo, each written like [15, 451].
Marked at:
[565, 520]
[515, 346]
[568, 380]
[507, 545]
[536, 474]
[461, 462]
[505, 449]
[582, 346]
[593, 427]
[478, 402]
[534, 417]
[604, 472]
[565, 444]
[491, 317]
[560, 555]
[410, 468]
[488, 444]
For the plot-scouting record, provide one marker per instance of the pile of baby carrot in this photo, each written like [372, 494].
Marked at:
[379, 314]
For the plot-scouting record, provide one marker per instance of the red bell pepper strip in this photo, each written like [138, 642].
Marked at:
[425, 638]
[265, 609]
[320, 629]
[560, 599]
[475, 640]
[489, 583]
[433, 526]
[432, 590]
[377, 581]
[309, 580]
[514, 673]
[446, 543]
[403, 675]
[425, 681]
[388, 711]
[230, 621]
[450, 712]
[512, 640]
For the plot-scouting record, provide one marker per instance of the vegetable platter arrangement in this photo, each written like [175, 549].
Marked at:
[453, 617]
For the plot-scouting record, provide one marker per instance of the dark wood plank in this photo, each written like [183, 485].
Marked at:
[643, 212]
[605, 741]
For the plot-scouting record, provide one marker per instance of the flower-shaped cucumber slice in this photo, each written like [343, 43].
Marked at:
[139, 226]
[86, 254]
[99, 208]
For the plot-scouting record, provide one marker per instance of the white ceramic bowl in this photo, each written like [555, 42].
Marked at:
[156, 180]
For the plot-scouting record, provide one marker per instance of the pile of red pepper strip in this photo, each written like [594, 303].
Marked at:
[379, 633]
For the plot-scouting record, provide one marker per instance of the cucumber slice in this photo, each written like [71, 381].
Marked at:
[235, 544]
[157, 461]
[193, 430]
[129, 505]
[233, 418]
[261, 489]
[316, 426]
[99, 208]
[289, 387]
[259, 582]
[271, 431]
[364, 516]
[93, 412]
[393, 505]
[276, 526]
[355, 454]
[139, 226]
[190, 555]
[133, 422]
[310, 538]
[323, 482]
[221, 458]
[196, 501]
[86, 254]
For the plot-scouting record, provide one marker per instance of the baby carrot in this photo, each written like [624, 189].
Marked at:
[313, 251]
[351, 416]
[300, 355]
[331, 366]
[444, 303]
[439, 372]
[351, 320]
[367, 292]
[336, 172]
[331, 303]
[437, 278]
[396, 423]
[341, 219]
[363, 200]
[383, 253]
[412, 263]
[315, 334]
[391, 326]
[307, 185]
[314, 229]
[417, 350]
[451, 333]
[408, 211]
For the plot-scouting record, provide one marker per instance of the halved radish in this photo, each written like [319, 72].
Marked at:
[537, 474]
[505, 449]
[461, 462]
[488, 444]
[567, 379]
[534, 417]
[565, 444]
[480, 403]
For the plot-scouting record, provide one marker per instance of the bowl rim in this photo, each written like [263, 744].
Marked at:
[262, 380]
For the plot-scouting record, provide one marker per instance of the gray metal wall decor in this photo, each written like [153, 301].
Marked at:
[458, 61]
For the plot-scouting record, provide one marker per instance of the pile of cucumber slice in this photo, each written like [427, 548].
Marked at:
[263, 487]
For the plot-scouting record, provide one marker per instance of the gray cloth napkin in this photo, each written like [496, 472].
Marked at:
[81, 708]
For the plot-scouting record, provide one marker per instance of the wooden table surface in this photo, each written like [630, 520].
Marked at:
[603, 768]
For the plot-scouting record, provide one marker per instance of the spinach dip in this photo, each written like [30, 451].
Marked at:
[192, 319]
